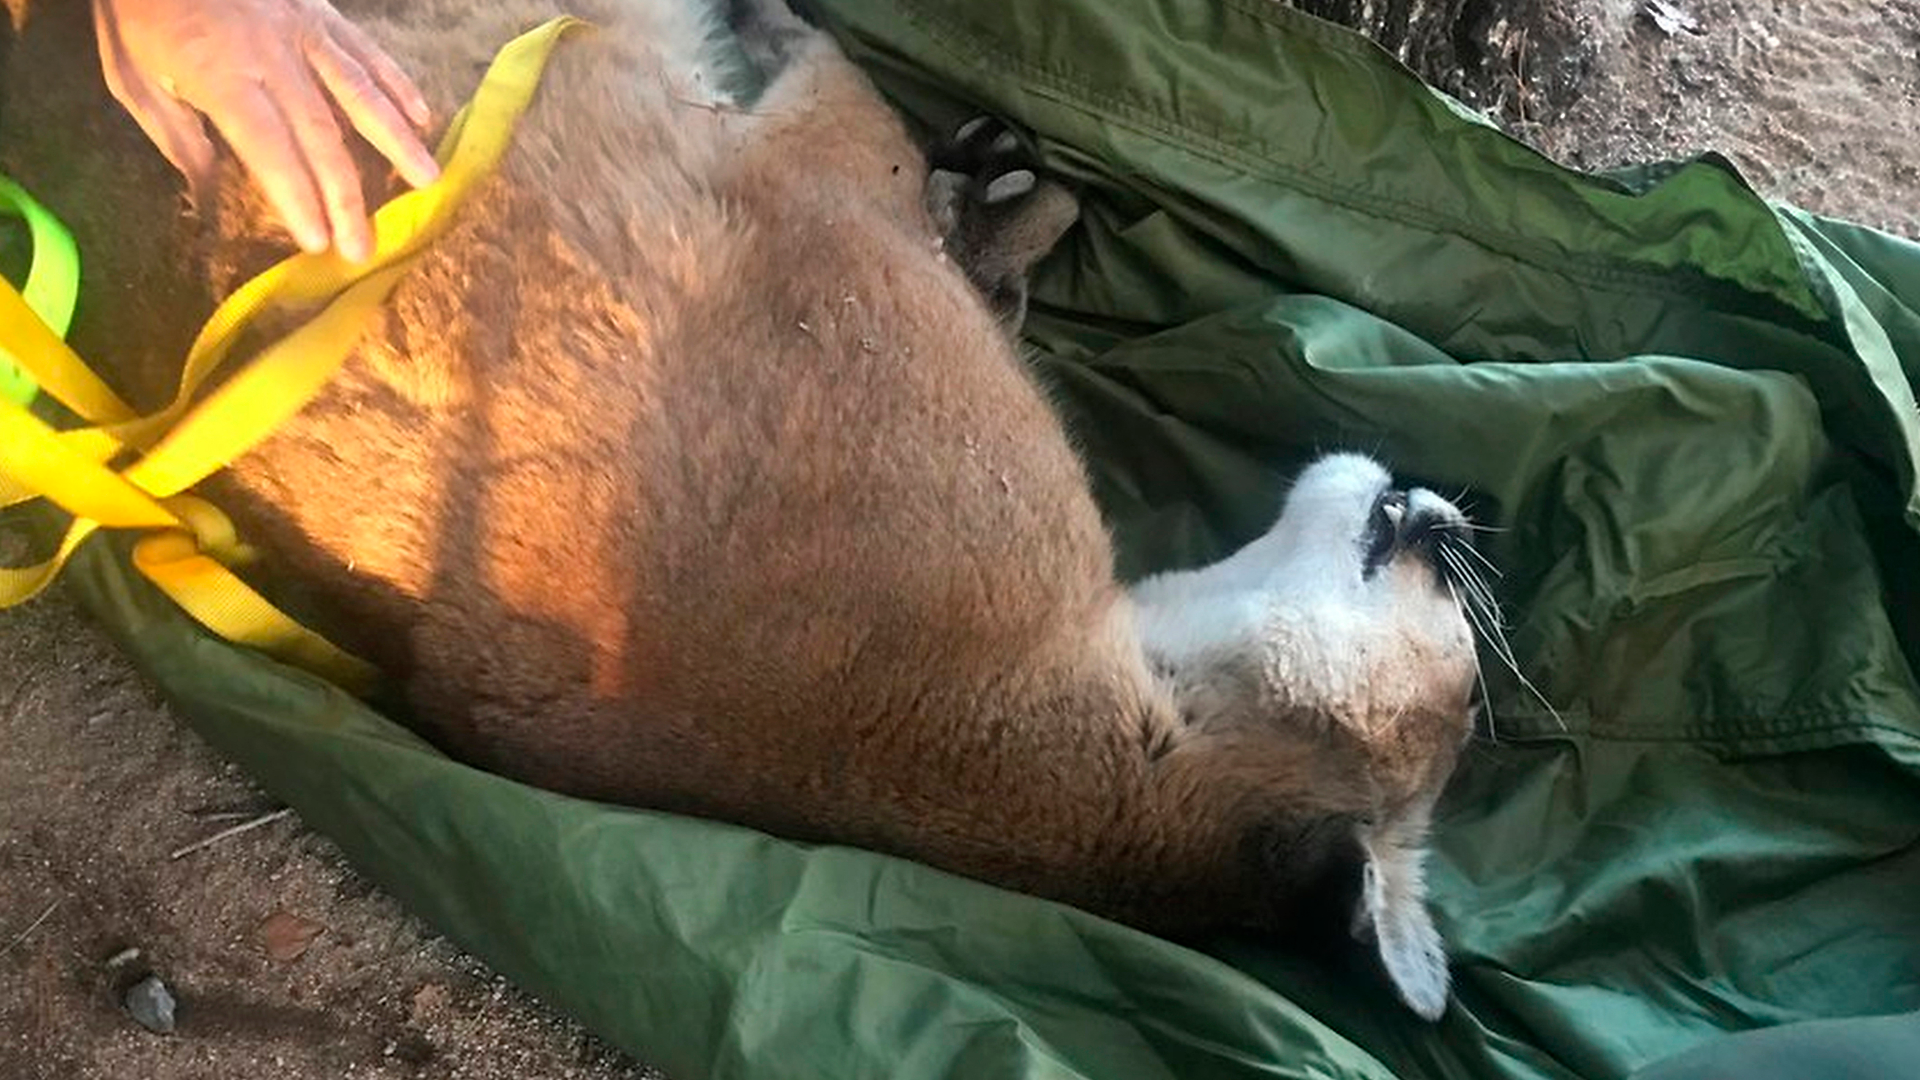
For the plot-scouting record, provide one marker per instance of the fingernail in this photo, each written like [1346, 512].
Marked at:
[422, 169]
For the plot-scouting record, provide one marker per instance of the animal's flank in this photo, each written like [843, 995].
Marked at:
[694, 470]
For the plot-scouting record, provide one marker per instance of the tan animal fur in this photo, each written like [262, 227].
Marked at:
[688, 473]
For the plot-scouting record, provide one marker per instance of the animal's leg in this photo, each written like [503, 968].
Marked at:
[998, 215]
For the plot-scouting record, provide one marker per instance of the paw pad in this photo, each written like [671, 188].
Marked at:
[997, 213]
[989, 155]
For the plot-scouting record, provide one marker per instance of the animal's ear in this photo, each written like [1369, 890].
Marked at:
[1392, 912]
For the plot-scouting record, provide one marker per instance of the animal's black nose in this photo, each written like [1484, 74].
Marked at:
[1424, 525]
[1414, 521]
[1428, 519]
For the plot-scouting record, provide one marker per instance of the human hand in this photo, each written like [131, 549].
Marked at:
[263, 72]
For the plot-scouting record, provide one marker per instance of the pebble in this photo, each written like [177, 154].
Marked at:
[286, 936]
[151, 1005]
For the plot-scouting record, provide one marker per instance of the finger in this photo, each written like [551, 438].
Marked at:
[331, 168]
[259, 134]
[375, 62]
[181, 137]
[371, 112]
[174, 129]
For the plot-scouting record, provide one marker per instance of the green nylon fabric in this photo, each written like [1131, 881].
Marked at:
[1692, 414]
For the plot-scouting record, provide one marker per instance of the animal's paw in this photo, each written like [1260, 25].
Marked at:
[996, 214]
[981, 164]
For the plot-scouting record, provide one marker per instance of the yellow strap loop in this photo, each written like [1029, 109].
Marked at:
[39, 352]
[191, 543]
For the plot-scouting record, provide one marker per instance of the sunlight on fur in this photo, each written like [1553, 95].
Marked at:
[697, 470]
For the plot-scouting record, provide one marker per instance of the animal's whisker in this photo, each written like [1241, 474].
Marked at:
[1476, 587]
[1479, 674]
[1461, 547]
[1476, 615]
[1484, 561]
[1482, 612]
[1559, 721]
[1497, 637]
[1504, 650]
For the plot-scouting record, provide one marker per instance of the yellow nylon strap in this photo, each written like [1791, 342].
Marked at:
[193, 543]
[40, 353]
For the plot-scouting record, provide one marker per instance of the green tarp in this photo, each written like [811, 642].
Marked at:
[1691, 412]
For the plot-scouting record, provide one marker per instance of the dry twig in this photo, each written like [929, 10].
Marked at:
[31, 927]
[245, 826]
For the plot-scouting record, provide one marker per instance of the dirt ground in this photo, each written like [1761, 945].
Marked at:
[1818, 101]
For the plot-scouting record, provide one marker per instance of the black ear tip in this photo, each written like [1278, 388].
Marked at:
[1309, 869]
[807, 11]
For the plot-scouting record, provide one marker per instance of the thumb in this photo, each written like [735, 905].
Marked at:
[175, 129]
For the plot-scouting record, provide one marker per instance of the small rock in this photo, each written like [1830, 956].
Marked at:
[428, 1003]
[286, 936]
[122, 958]
[151, 1005]
[1670, 19]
